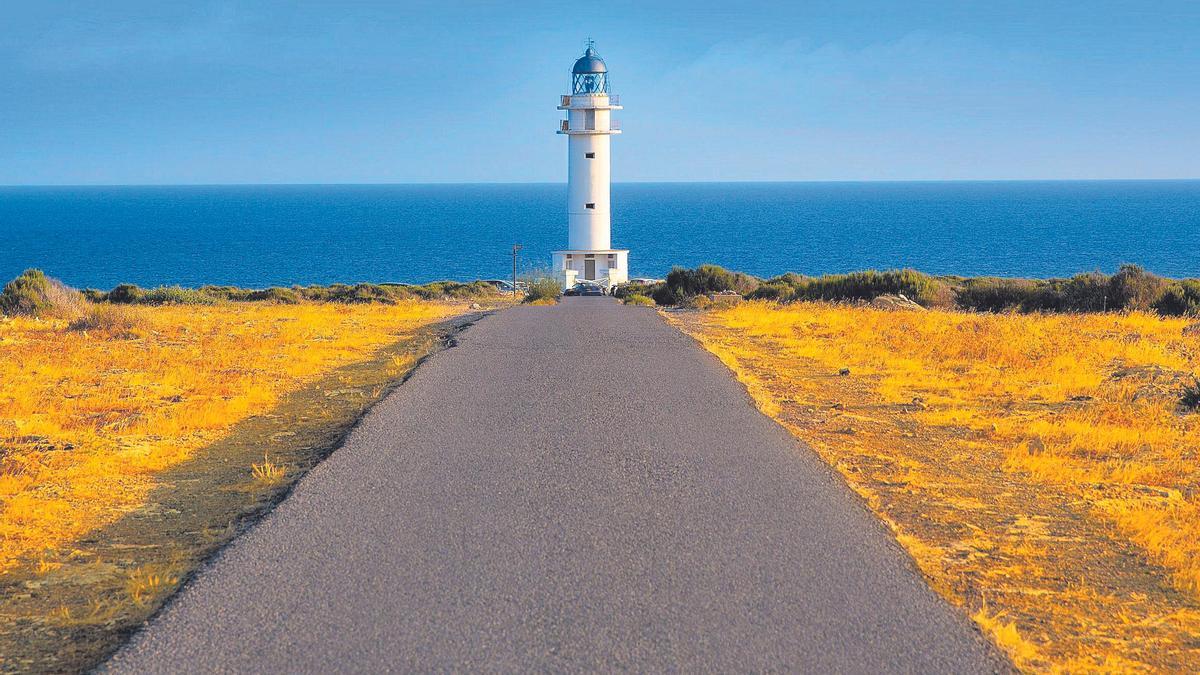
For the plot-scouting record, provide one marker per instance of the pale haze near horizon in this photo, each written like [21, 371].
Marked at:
[285, 92]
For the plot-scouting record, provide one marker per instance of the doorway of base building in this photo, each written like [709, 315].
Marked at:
[589, 269]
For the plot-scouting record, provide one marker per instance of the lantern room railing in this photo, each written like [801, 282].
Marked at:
[613, 125]
[564, 101]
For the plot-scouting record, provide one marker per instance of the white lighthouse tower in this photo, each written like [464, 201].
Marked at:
[589, 126]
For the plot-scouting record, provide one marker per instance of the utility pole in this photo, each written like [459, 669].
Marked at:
[516, 247]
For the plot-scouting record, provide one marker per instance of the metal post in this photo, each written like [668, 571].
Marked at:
[516, 247]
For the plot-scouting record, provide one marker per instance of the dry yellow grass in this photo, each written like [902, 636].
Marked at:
[128, 446]
[1036, 467]
[87, 420]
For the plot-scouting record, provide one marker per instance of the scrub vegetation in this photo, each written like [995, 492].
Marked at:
[543, 291]
[140, 430]
[1042, 469]
[1131, 288]
[345, 293]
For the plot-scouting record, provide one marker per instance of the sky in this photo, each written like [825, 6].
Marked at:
[152, 92]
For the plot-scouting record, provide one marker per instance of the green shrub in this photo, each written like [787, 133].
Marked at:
[470, 291]
[35, 294]
[993, 294]
[1087, 292]
[277, 295]
[773, 290]
[26, 294]
[230, 293]
[683, 284]
[1180, 298]
[129, 294]
[176, 295]
[544, 288]
[915, 286]
[1134, 288]
[475, 290]
[640, 300]
[1189, 397]
[625, 290]
[125, 294]
[368, 293]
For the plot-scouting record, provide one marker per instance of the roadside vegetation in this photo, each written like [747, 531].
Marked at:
[1130, 289]
[141, 429]
[129, 294]
[543, 291]
[1041, 467]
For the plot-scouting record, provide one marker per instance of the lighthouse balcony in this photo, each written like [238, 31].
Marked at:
[590, 102]
[564, 127]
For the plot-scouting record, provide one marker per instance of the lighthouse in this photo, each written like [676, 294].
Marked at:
[589, 128]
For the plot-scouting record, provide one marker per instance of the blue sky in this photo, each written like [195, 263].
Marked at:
[327, 92]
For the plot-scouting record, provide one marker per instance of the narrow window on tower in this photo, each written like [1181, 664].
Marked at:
[590, 205]
[591, 155]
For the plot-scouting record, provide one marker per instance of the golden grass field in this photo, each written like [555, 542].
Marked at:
[128, 454]
[1037, 467]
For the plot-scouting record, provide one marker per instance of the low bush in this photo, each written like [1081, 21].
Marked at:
[638, 299]
[229, 293]
[646, 290]
[35, 294]
[1087, 292]
[915, 286]
[683, 284]
[1131, 288]
[277, 295]
[125, 294]
[543, 289]
[773, 290]
[1181, 298]
[129, 294]
[1189, 397]
[475, 290]
[114, 320]
[176, 295]
[1134, 288]
[993, 294]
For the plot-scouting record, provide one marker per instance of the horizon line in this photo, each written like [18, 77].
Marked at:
[630, 182]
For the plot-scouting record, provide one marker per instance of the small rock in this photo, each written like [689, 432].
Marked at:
[474, 305]
[844, 371]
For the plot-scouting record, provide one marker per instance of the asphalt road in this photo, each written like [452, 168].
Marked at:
[578, 487]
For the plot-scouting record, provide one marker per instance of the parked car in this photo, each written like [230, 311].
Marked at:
[501, 285]
[585, 289]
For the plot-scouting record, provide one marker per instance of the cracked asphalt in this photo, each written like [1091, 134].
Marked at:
[570, 488]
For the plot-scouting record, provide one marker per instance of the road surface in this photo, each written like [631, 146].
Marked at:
[578, 487]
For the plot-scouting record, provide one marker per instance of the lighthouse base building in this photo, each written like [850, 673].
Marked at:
[605, 267]
[589, 128]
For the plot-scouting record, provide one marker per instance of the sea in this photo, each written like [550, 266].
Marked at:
[260, 235]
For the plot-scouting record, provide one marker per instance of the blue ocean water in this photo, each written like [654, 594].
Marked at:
[281, 235]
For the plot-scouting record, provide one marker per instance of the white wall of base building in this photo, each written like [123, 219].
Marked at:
[610, 266]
